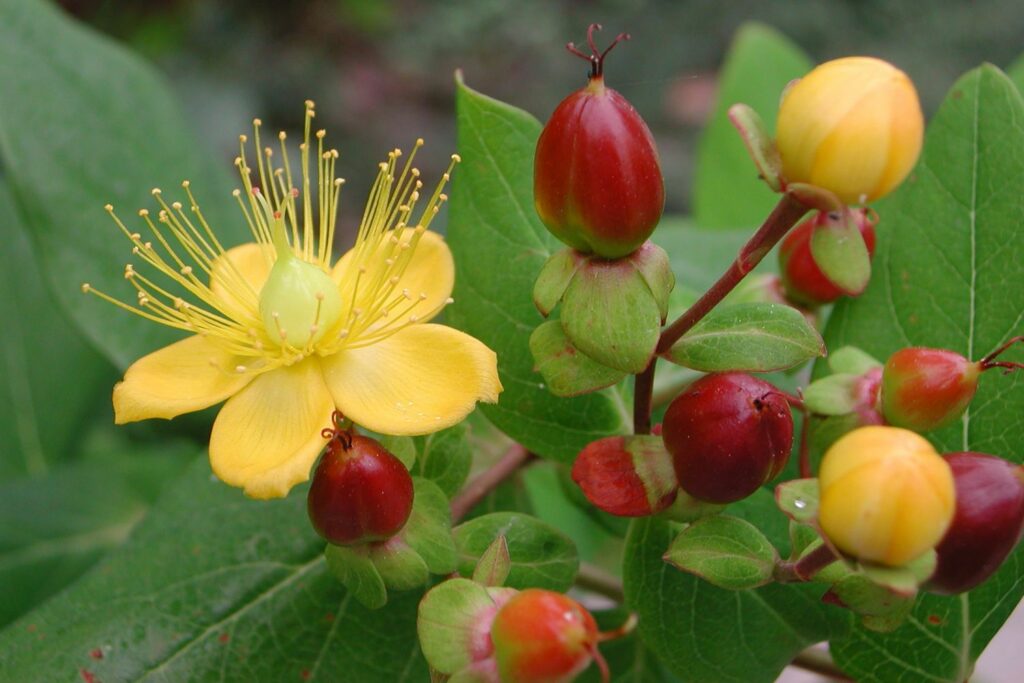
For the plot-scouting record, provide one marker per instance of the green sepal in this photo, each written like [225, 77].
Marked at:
[447, 620]
[554, 278]
[685, 508]
[798, 500]
[852, 361]
[653, 264]
[400, 567]
[759, 143]
[540, 556]
[354, 568]
[826, 431]
[881, 608]
[903, 579]
[402, 447]
[815, 197]
[428, 530]
[610, 313]
[494, 565]
[748, 337]
[801, 537]
[566, 370]
[838, 248]
[832, 395]
[728, 552]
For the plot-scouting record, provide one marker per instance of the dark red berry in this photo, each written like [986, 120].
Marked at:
[924, 389]
[597, 180]
[543, 637]
[728, 434]
[803, 280]
[628, 476]
[987, 523]
[360, 492]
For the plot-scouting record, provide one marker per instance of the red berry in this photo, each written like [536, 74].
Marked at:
[987, 523]
[629, 476]
[924, 389]
[728, 434]
[543, 637]
[597, 180]
[802, 278]
[360, 492]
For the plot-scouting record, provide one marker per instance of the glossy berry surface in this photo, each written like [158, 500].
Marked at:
[987, 523]
[542, 637]
[728, 434]
[597, 180]
[924, 389]
[626, 476]
[803, 280]
[360, 492]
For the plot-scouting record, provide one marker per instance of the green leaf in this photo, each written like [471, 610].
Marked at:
[851, 360]
[213, 586]
[541, 556]
[428, 530]
[445, 458]
[725, 551]
[566, 370]
[499, 246]
[948, 274]
[106, 129]
[43, 357]
[759, 143]
[727, 191]
[832, 395]
[752, 337]
[553, 279]
[55, 527]
[1016, 73]
[355, 569]
[494, 565]
[692, 626]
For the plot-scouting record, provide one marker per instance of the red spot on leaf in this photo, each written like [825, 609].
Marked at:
[96, 654]
[305, 674]
[223, 638]
[934, 619]
[329, 617]
[88, 676]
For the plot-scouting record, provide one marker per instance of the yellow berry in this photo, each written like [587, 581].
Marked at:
[886, 495]
[852, 126]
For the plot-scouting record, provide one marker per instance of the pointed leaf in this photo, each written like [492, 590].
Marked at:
[445, 457]
[798, 499]
[353, 568]
[752, 337]
[494, 565]
[832, 395]
[566, 370]
[852, 361]
[554, 278]
[428, 530]
[725, 551]
[759, 143]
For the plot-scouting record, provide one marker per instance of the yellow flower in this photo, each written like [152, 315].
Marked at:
[886, 495]
[284, 336]
[853, 126]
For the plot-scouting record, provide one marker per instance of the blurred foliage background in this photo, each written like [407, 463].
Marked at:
[381, 70]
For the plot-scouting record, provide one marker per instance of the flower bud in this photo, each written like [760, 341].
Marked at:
[597, 180]
[852, 126]
[886, 495]
[987, 524]
[543, 636]
[360, 492]
[728, 434]
[924, 389]
[629, 476]
[802, 278]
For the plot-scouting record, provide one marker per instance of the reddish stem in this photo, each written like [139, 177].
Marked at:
[989, 361]
[805, 450]
[514, 458]
[807, 566]
[643, 397]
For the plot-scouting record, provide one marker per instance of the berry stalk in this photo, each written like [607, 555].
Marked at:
[783, 217]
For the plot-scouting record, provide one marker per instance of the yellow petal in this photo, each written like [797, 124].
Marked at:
[419, 380]
[267, 437]
[250, 262]
[188, 375]
[431, 271]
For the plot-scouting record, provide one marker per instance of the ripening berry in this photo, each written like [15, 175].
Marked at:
[886, 495]
[987, 524]
[628, 476]
[543, 637]
[728, 434]
[852, 126]
[802, 278]
[597, 181]
[924, 389]
[360, 492]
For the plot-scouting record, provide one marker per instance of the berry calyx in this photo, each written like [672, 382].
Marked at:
[886, 496]
[544, 637]
[597, 179]
[802, 278]
[987, 524]
[925, 389]
[728, 434]
[360, 493]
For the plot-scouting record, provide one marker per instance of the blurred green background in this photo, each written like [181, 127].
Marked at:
[381, 70]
